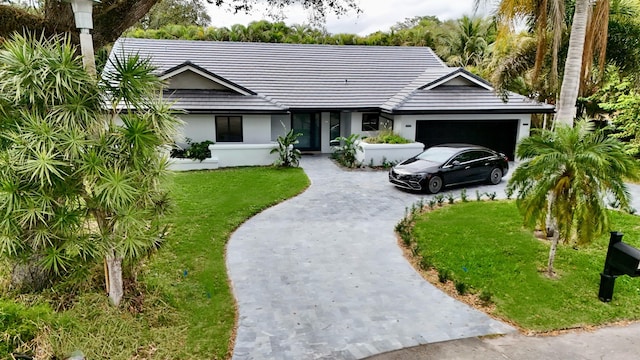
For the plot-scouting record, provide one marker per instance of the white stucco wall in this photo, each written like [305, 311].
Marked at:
[198, 127]
[379, 154]
[190, 80]
[276, 125]
[256, 129]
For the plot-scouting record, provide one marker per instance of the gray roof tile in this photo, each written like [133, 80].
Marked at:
[300, 76]
[468, 99]
[296, 76]
[219, 101]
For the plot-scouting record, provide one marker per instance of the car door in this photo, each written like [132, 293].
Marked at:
[479, 165]
[458, 168]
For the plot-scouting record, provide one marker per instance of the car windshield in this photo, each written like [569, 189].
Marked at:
[437, 154]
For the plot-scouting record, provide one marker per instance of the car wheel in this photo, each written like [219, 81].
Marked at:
[495, 176]
[435, 184]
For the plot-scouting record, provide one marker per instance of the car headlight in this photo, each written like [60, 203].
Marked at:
[416, 177]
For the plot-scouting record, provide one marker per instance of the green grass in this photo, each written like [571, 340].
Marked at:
[211, 205]
[485, 246]
[185, 309]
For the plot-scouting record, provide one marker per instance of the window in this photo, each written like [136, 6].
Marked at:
[370, 122]
[228, 128]
[334, 128]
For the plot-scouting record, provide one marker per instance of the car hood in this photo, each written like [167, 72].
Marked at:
[414, 165]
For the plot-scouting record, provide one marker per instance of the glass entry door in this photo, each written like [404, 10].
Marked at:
[308, 124]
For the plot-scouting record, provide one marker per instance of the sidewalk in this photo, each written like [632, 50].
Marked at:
[610, 343]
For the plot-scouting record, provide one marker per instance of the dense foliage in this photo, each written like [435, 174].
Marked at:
[80, 182]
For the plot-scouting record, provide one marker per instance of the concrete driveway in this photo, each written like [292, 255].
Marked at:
[321, 276]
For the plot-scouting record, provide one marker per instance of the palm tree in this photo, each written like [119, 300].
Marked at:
[468, 44]
[566, 106]
[564, 178]
[588, 39]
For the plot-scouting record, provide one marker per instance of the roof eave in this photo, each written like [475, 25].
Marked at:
[471, 111]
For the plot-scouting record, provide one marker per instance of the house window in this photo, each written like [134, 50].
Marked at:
[334, 128]
[370, 122]
[228, 128]
[386, 123]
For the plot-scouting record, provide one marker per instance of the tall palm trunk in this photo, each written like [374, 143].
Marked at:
[555, 238]
[566, 108]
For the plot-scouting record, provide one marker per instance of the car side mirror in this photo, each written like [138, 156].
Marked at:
[455, 163]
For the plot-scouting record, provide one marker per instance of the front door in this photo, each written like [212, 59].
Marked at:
[308, 124]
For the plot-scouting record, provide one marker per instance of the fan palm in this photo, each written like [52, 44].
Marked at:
[564, 178]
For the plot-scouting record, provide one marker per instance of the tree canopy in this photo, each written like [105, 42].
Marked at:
[176, 12]
[112, 17]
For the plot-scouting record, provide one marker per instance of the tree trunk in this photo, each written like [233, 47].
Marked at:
[114, 280]
[566, 108]
[552, 252]
[110, 19]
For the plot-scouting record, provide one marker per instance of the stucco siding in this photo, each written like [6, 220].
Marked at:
[276, 125]
[256, 129]
[198, 128]
[190, 80]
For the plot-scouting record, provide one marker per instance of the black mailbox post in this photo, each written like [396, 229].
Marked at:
[622, 259]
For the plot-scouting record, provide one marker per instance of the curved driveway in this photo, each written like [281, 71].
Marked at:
[321, 276]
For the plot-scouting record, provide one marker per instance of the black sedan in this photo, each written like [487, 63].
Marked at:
[447, 165]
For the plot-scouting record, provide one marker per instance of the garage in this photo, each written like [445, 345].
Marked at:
[499, 135]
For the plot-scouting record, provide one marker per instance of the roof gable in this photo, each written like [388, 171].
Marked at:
[457, 78]
[190, 76]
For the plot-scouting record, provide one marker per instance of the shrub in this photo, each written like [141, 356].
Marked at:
[485, 296]
[491, 196]
[439, 199]
[444, 275]
[451, 198]
[387, 137]
[196, 150]
[432, 203]
[478, 195]
[461, 287]
[345, 154]
[463, 195]
[425, 263]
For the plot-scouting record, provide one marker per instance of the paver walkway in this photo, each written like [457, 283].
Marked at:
[321, 276]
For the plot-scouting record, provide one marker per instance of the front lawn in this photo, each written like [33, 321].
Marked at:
[182, 307]
[485, 246]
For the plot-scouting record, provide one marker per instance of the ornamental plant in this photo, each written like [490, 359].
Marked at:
[82, 160]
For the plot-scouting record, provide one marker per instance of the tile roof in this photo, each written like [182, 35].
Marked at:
[215, 100]
[468, 99]
[318, 77]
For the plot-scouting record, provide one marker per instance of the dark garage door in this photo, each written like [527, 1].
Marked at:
[499, 135]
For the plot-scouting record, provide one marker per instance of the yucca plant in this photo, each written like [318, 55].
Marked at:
[81, 173]
[563, 180]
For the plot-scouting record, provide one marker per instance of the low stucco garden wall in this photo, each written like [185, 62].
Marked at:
[377, 154]
[229, 155]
